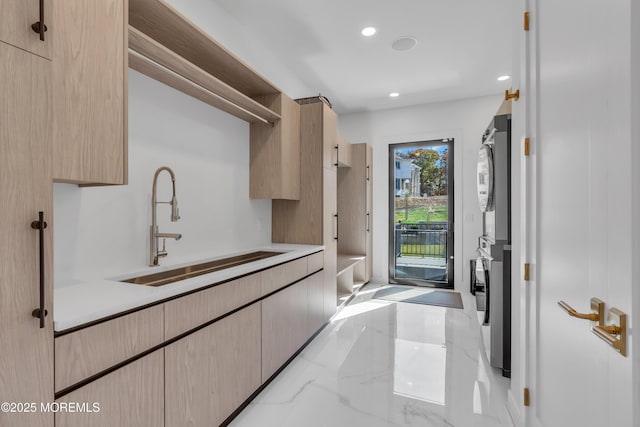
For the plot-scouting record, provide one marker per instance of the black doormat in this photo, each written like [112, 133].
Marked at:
[420, 296]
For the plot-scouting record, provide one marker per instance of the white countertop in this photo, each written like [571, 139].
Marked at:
[86, 301]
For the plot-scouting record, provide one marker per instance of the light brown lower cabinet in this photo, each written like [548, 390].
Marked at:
[315, 303]
[284, 326]
[91, 350]
[130, 396]
[209, 373]
[202, 378]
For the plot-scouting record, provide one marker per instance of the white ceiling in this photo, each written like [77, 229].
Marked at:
[463, 46]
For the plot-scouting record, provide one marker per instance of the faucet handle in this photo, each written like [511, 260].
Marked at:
[175, 212]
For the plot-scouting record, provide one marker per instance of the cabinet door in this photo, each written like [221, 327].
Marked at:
[284, 326]
[344, 153]
[352, 204]
[26, 358]
[211, 372]
[315, 303]
[369, 213]
[330, 137]
[90, 95]
[274, 155]
[130, 396]
[331, 244]
[16, 18]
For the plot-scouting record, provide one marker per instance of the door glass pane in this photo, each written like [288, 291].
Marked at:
[421, 212]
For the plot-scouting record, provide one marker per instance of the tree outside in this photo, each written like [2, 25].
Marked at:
[433, 174]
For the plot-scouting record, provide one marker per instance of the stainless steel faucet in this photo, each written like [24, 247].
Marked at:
[154, 235]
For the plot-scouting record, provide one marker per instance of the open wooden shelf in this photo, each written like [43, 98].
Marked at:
[346, 261]
[350, 275]
[168, 47]
[156, 61]
[357, 285]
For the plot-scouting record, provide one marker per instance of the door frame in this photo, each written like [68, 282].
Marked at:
[449, 284]
[528, 306]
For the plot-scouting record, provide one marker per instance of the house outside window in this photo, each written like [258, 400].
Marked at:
[406, 170]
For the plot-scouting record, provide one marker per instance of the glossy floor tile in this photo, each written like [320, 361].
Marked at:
[383, 363]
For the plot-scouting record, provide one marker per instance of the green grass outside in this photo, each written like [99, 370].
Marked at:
[415, 215]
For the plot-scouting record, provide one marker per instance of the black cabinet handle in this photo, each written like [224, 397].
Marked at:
[39, 26]
[368, 219]
[337, 155]
[368, 177]
[40, 225]
[336, 217]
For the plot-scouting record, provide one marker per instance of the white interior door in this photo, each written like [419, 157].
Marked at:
[578, 193]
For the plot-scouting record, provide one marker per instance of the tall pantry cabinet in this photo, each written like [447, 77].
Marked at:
[26, 358]
[76, 51]
[313, 219]
[355, 206]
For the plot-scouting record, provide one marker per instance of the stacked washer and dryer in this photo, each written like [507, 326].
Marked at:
[491, 271]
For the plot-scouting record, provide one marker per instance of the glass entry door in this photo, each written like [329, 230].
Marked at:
[421, 213]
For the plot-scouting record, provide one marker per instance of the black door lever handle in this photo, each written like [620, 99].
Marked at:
[39, 27]
[40, 225]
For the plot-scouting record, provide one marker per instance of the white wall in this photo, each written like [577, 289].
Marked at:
[464, 120]
[103, 231]
[245, 43]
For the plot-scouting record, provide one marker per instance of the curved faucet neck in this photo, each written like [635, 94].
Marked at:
[154, 249]
[155, 181]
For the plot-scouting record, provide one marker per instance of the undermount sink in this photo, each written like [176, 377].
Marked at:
[182, 273]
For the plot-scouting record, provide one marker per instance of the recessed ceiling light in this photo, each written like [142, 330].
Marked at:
[394, 94]
[368, 31]
[404, 43]
[503, 78]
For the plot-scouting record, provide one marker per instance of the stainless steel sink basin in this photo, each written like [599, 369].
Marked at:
[170, 276]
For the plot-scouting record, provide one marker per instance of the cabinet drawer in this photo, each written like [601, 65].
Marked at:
[130, 396]
[81, 354]
[315, 262]
[188, 312]
[283, 275]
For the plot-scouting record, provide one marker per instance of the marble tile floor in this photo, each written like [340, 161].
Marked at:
[382, 363]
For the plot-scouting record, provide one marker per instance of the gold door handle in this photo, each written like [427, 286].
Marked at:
[511, 95]
[610, 334]
[596, 315]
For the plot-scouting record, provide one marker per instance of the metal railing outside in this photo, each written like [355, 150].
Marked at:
[421, 239]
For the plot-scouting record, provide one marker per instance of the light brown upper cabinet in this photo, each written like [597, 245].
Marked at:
[275, 151]
[20, 25]
[90, 91]
[344, 153]
[313, 219]
[355, 206]
[329, 138]
[26, 358]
